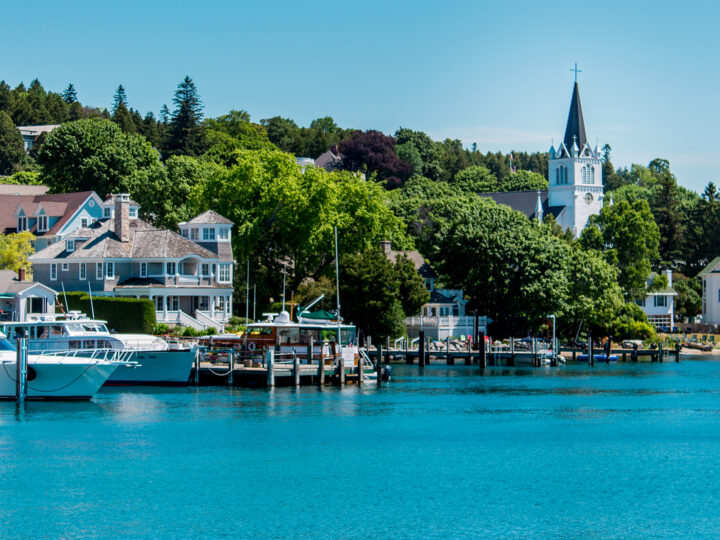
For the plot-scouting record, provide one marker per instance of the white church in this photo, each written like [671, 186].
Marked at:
[575, 190]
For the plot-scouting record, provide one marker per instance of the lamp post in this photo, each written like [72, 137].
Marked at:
[554, 320]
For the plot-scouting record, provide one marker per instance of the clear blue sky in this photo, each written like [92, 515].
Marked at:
[495, 73]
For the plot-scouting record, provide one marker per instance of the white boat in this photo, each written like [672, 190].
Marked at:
[56, 376]
[151, 362]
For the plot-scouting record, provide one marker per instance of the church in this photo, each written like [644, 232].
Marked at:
[575, 190]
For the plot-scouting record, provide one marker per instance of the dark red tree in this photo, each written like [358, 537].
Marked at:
[374, 152]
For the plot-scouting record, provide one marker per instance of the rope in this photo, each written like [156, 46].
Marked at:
[27, 384]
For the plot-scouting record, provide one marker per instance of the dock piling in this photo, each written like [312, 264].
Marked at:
[421, 349]
[379, 363]
[197, 367]
[296, 368]
[591, 357]
[231, 361]
[341, 368]
[21, 369]
[270, 361]
[482, 353]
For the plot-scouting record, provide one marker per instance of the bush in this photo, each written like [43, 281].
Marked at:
[124, 315]
[161, 329]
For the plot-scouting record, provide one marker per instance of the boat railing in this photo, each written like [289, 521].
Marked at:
[116, 356]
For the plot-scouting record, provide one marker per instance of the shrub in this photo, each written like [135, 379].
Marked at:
[124, 315]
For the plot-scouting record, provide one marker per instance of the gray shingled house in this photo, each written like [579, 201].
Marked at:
[189, 275]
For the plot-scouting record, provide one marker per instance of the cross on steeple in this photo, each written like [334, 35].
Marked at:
[576, 70]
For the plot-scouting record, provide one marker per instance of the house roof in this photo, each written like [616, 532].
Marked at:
[154, 283]
[23, 189]
[438, 298]
[10, 284]
[146, 242]
[421, 265]
[713, 267]
[62, 205]
[524, 201]
[209, 216]
[329, 160]
[37, 130]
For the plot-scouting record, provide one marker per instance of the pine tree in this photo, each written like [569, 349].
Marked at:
[164, 114]
[186, 135]
[120, 98]
[69, 95]
[12, 149]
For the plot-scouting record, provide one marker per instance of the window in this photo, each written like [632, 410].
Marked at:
[184, 233]
[205, 269]
[224, 273]
[173, 303]
[194, 234]
[82, 271]
[42, 223]
[224, 233]
[588, 174]
[641, 302]
[204, 303]
[661, 301]
[143, 269]
[53, 271]
[106, 212]
[65, 267]
[133, 212]
[109, 270]
[22, 224]
[170, 269]
[69, 246]
[208, 233]
[220, 303]
[99, 271]
[84, 222]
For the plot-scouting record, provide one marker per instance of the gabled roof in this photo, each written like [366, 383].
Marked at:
[146, 242]
[713, 267]
[23, 189]
[208, 217]
[525, 202]
[437, 297]
[63, 205]
[575, 129]
[421, 265]
[11, 284]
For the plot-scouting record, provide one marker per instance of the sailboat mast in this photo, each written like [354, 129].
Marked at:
[337, 288]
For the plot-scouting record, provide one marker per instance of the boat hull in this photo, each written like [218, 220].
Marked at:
[56, 378]
[155, 368]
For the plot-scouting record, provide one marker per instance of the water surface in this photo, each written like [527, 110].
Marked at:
[626, 450]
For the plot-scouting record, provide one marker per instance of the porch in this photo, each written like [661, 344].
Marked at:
[442, 327]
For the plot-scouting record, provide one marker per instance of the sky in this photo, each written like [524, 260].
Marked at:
[494, 73]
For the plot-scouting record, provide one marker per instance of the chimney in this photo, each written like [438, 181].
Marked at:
[385, 245]
[122, 216]
[668, 273]
[21, 274]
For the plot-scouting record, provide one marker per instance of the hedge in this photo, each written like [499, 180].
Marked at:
[124, 315]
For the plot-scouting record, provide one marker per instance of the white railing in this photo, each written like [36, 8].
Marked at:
[115, 356]
[205, 319]
[450, 321]
[178, 317]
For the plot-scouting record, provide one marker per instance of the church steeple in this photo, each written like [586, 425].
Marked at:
[575, 130]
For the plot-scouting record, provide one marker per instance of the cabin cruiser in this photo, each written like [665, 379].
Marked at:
[151, 362]
[58, 376]
[288, 338]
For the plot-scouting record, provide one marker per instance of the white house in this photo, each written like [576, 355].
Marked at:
[21, 299]
[710, 276]
[659, 306]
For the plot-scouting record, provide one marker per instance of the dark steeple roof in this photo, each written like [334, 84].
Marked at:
[575, 130]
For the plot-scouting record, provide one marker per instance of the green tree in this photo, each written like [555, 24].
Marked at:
[69, 95]
[523, 181]
[630, 239]
[15, 248]
[412, 293]
[186, 132]
[12, 149]
[476, 179]
[369, 291]
[93, 154]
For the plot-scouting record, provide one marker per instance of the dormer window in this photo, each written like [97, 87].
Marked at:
[133, 212]
[194, 234]
[69, 246]
[84, 222]
[22, 224]
[42, 224]
[224, 233]
[184, 233]
[209, 233]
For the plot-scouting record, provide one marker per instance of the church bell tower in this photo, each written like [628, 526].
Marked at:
[575, 172]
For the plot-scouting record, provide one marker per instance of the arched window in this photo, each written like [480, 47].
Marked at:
[592, 175]
[557, 175]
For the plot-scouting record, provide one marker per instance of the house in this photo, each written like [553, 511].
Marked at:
[48, 216]
[31, 133]
[331, 160]
[575, 190]
[21, 299]
[443, 315]
[188, 276]
[659, 306]
[710, 276]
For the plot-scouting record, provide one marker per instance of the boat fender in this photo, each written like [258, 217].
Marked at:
[251, 346]
[31, 374]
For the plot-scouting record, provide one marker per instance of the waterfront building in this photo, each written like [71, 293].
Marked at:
[188, 276]
[21, 299]
[50, 217]
[659, 306]
[443, 315]
[575, 190]
[710, 276]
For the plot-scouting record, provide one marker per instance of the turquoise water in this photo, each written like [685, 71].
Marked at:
[614, 451]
